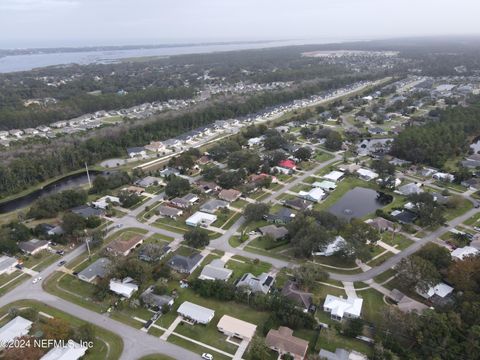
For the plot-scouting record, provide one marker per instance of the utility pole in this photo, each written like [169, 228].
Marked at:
[88, 245]
[88, 176]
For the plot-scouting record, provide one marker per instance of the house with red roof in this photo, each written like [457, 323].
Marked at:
[288, 164]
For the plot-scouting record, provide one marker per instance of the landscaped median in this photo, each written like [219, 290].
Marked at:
[106, 346]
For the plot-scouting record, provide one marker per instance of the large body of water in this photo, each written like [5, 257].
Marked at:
[68, 182]
[29, 62]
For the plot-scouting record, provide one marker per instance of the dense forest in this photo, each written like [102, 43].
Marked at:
[441, 138]
[29, 168]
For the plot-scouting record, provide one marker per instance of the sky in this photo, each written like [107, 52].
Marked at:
[49, 23]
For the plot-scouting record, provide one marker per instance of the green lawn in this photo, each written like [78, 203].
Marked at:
[385, 276]
[13, 280]
[322, 156]
[330, 340]
[399, 241]
[107, 345]
[235, 241]
[222, 217]
[474, 220]
[380, 260]
[247, 266]
[158, 238]
[240, 203]
[156, 357]
[464, 206]
[232, 220]
[373, 305]
[195, 348]
[40, 260]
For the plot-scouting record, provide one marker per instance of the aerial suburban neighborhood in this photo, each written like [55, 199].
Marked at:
[239, 200]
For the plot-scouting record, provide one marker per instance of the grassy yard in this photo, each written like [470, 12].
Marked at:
[473, 221]
[247, 266]
[40, 260]
[8, 282]
[107, 345]
[322, 156]
[399, 241]
[158, 238]
[373, 305]
[232, 220]
[330, 340]
[240, 203]
[222, 217]
[380, 260]
[171, 225]
[156, 357]
[464, 206]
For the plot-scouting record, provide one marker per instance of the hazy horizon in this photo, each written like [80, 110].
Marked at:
[54, 23]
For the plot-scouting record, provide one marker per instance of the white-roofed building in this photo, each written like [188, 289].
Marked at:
[334, 176]
[125, 287]
[325, 185]
[72, 351]
[339, 307]
[215, 271]
[441, 290]
[335, 246]
[314, 195]
[7, 264]
[15, 328]
[201, 219]
[233, 327]
[366, 174]
[409, 189]
[106, 200]
[462, 253]
[196, 313]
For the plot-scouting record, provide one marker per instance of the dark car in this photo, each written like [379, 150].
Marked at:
[61, 263]
[60, 252]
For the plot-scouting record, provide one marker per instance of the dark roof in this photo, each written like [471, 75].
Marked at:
[31, 245]
[283, 215]
[87, 211]
[301, 298]
[184, 263]
[298, 204]
[405, 217]
[136, 149]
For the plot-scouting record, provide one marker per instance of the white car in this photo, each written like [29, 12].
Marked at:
[39, 278]
[35, 281]
[207, 356]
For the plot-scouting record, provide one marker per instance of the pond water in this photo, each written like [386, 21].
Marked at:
[359, 202]
[65, 183]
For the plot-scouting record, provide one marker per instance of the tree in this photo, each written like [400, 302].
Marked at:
[307, 236]
[244, 159]
[415, 272]
[255, 212]
[333, 141]
[197, 238]
[307, 275]
[72, 222]
[131, 267]
[231, 179]
[85, 332]
[177, 186]
[211, 172]
[428, 210]
[353, 328]
[30, 352]
[464, 274]
[93, 221]
[438, 255]
[303, 153]
[128, 199]
[257, 350]
[360, 237]
[57, 329]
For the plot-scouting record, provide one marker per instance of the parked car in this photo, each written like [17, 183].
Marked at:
[60, 252]
[61, 263]
[35, 281]
[19, 266]
[207, 356]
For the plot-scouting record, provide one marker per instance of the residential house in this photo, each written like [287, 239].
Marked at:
[333, 247]
[283, 342]
[7, 264]
[180, 203]
[261, 283]
[134, 190]
[325, 185]
[315, 195]
[105, 201]
[125, 288]
[213, 205]
[33, 246]
[169, 171]
[288, 164]
[301, 298]
[124, 247]
[298, 204]
[156, 146]
[443, 177]
[472, 184]
[366, 174]
[437, 293]
[341, 354]
[381, 224]
[195, 313]
[215, 271]
[134, 152]
[71, 351]
[340, 308]
[185, 264]
[168, 211]
[15, 328]
[404, 216]
[149, 181]
[229, 195]
[377, 131]
[232, 327]
[94, 271]
[153, 252]
[409, 189]
[152, 300]
[201, 219]
[257, 141]
[207, 187]
[255, 178]
[282, 216]
[276, 232]
[464, 252]
[334, 176]
[86, 211]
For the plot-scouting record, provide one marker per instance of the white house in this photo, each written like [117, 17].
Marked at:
[334, 176]
[233, 327]
[196, 313]
[462, 253]
[7, 264]
[106, 200]
[443, 177]
[441, 289]
[315, 195]
[255, 141]
[332, 248]
[409, 189]
[325, 185]
[201, 219]
[125, 287]
[15, 328]
[366, 174]
[134, 152]
[338, 307]
[72, 351]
